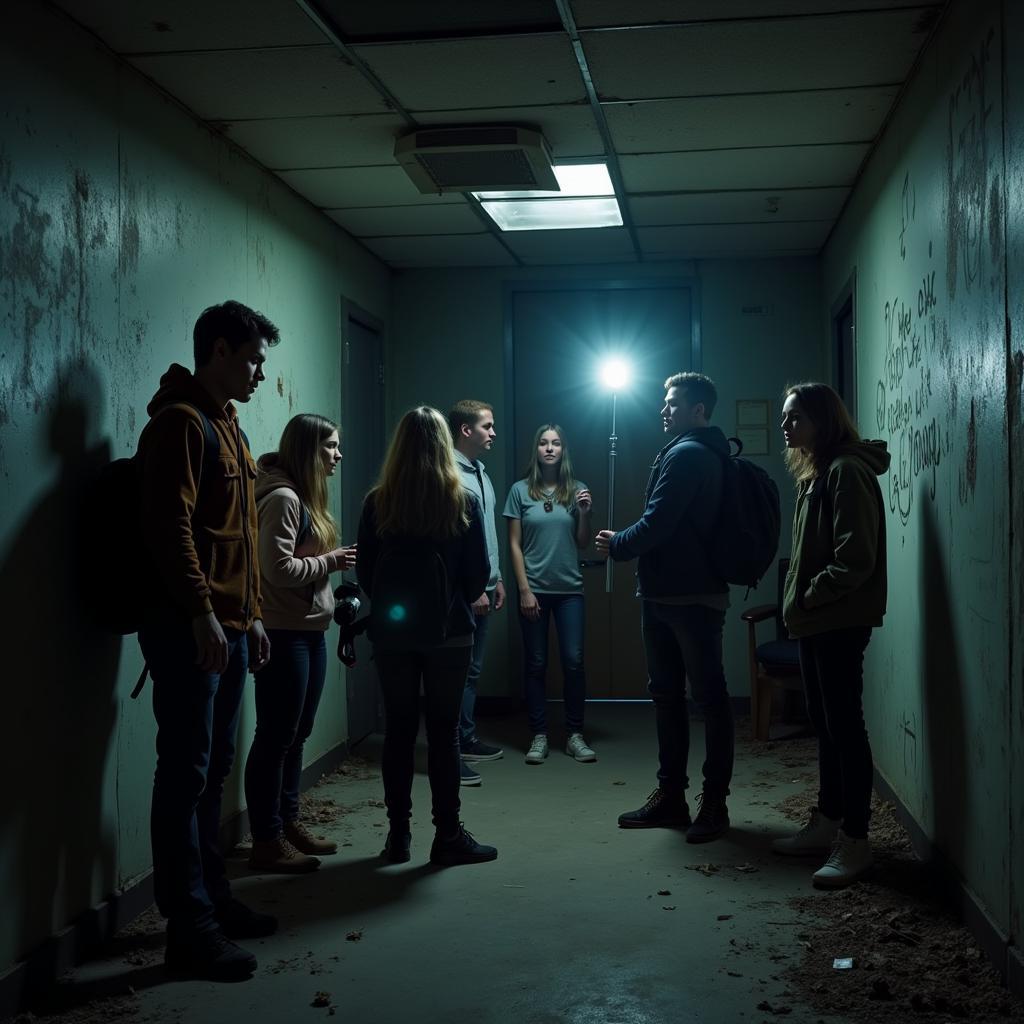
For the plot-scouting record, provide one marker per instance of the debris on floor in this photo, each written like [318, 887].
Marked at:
[912, 958]
[704, 869]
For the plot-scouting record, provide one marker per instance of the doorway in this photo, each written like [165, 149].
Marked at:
[844, 345]
[362, 405]
[556, 337]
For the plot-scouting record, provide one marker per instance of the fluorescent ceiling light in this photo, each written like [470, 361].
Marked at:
[549, 214]
[586, 199]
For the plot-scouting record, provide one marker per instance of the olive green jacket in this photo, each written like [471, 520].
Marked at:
[837, 570]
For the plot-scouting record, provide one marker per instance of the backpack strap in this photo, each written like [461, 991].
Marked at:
[211, 442]
[305, 520]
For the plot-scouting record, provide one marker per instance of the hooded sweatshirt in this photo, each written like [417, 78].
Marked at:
[297, 590]
[684, 492]
[199, 527]
[837, 571]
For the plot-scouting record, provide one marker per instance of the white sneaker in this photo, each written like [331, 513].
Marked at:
[576, 746]
[849, 859]
[816, 837]
[538, 749]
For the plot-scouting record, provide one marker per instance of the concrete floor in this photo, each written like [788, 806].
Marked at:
[566, 927]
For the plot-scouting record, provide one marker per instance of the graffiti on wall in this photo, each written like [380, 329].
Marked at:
[929, 357]
[904, 394]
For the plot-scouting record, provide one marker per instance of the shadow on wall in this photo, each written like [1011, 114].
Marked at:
[942, 691]
[59, 701]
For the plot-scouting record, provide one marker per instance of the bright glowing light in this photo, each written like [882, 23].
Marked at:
[551, 214]
[396, 613]
[585, 199]
[615, 373]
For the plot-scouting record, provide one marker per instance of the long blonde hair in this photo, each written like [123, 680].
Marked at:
[419, 492]
[833, 425]
[300, 458]
[565, 486]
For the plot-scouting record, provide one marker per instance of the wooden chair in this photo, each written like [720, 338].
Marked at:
[775, 663]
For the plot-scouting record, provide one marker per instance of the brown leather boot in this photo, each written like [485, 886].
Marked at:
[303, 840]
[278, 855]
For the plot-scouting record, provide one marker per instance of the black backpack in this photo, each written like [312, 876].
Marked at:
[118, 577]
[410, 597]
[746, 537]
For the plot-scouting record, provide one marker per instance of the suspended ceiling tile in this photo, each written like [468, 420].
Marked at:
[488, 72]
[569, 129]
[722, 122]
[755, 56]
[289, 142]
[721, 169]
[587, 245]
[731, 239]
[159, 26]
[738, 207]
[409, 18]
[650, 12]
[285, 82]
[341, 187]
[441, 251]
[370, 222]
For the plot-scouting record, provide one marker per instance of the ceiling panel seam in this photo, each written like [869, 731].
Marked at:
[754, 19]
[658, 226]
[618, 101]
[614, 170]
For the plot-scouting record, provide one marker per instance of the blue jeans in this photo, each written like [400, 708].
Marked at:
[288, 690]
[442, 673]
[197, 719]
[684, 642]
[568, 613]
[832, 666]
[467, 720]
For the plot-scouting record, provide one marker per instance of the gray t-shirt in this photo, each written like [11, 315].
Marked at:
[549, 541]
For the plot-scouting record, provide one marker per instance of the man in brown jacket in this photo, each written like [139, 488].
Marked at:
[203, 628]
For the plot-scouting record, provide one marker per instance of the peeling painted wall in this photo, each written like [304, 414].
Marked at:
[121, 218]
[925, 235]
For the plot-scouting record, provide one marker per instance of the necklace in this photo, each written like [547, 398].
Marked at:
[548, 496]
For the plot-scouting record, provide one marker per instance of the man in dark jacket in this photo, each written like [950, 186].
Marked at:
[203, 630]
[684, 601]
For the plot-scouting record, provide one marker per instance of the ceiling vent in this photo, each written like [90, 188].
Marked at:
[468, 158]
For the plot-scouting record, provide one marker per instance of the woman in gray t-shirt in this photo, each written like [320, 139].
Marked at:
[548, 515]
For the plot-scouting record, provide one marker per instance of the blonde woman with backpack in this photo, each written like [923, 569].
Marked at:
[423, 561]
[298, 551]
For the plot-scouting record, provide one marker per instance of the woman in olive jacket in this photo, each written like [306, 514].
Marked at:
[835, 594]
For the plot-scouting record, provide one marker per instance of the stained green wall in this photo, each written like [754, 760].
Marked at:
[925, 234]
[120, 219]
[460, 313]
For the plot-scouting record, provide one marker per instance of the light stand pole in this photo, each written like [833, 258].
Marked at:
[612, 440]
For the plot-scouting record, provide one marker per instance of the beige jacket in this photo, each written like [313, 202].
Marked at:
[296, 581]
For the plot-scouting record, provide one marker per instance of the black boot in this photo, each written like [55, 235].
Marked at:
[396, 846]
[662, 810]
[461, 848]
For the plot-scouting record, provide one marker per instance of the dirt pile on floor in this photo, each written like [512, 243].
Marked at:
[912, 958]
